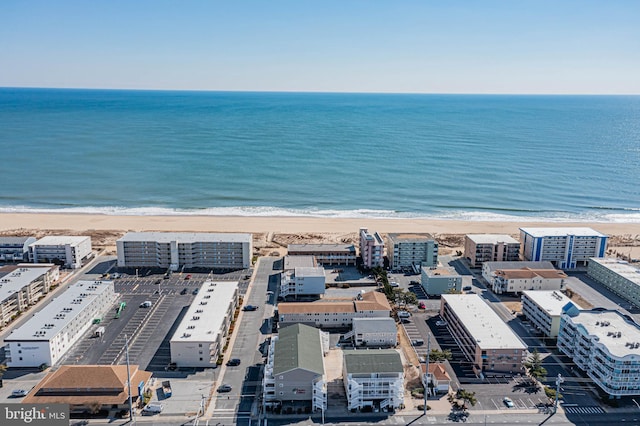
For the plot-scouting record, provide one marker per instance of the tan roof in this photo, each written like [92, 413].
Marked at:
[83, 384]
[371, 301]
[437, 370]
[512, 274]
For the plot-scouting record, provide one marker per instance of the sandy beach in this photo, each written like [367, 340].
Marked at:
[277, 232]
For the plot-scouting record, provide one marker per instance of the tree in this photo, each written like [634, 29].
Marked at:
[403, 297]
[3, 368]
[533, 364]
[437, 356]
[551, 393]
[466, 397]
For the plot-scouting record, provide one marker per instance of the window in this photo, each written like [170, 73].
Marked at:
[200, 359]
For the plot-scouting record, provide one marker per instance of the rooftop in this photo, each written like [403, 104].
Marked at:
[207, 312]
[523, 273]
[620, 267]
[186, 237]
[59, 240]
[322, 248]
[292, 262]
[366, 361]
[302, 272]
[405, 237]
[562, 232]
[14, 278]
[371, 301]
[298, 346]
[374, 325]
[440, 271]
[485, 326]
[492, 238]
[607, 325]
[14, 240]
[492, 266]
[437, 370]
[551, 301]
[60, 311]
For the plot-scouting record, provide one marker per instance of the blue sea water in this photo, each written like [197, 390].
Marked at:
[474, 157]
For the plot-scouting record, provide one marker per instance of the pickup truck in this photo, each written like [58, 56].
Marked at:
[166, 388]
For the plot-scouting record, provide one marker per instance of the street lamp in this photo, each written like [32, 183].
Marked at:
[559, 380]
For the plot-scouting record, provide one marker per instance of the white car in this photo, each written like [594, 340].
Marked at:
[17, 393]
[394, 284]
[508, 402]
[441, 323]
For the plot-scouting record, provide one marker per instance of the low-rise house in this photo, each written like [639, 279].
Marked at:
[294, 371]
[515, 281]
[373, 378]
[373, 332]
[441, 280]
[437, 380]
[15, 249]
[489, 268]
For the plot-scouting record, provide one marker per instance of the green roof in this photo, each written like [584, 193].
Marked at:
[372, 361]
[298, 346]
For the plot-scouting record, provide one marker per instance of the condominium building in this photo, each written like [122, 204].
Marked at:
[515, 281]
[373, 378]
[178, 250]
[334, 314]
[200, 337]
[371, 249]
[47, 336]
[294, 370]
[303, 281]
[480, 248]
[605, 344]
[292, 262]
[69, 251]
[373, 332]
[22, 285]
[411, 251]
[440, 280]
[565, 248]
[15, 249]
[489, 268]
[544, 309]
[485, 340]
[326, 254]
[618, 276]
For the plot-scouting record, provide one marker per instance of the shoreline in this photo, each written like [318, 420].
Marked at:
[280, 224]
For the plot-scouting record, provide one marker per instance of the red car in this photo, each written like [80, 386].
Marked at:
[421, 305]
[188, 277]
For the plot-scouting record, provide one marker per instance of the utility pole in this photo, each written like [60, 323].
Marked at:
[126, 348]
[426, 384]
[559, 380]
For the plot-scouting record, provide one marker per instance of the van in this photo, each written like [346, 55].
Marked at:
[152, 408]
[404, 314]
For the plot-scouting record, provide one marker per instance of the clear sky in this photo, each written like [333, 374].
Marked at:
[424, 46]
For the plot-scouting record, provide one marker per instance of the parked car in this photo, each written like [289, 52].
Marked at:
[183, 291]
[441, 323]
[146, 304]
[158, 281]
[468, 288]
[152, 408]
[233, 362]
[404, 314]
[421, 305]
[224, 388]
[508, 402]
[394, 284]
[195, 291]
[250, 308]
[417, 342]
[18, 393]
[188, 277]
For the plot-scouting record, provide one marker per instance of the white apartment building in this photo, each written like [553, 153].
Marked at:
[371, 248]
[373, 378]
[303, 281]
[544, 309]
[22, 285]
[485, 340]
[198, 340]
[515, 281]
[15, 249]
[411, 251]
[489, 268]
[373, 332]
[177, 250]
[69, 250]
[49, 334]
[618, 276]
[334, 314]
[480, 248]
[606, 345]
[565, 248]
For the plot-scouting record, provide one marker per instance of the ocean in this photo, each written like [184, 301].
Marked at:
[468, 157]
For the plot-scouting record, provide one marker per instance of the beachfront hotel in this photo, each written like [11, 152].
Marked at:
[618, 276]
[22, 285]
[515, 281]
[440, 280]
[371, 249]
[411, 251]
[544, 309]
[480, 248]
[182, 250]
[200, 336]
[47, 336]
[325, 254]
[15, 249]
[69, 251]
[488, 344]
[565, 248]
[605, 344]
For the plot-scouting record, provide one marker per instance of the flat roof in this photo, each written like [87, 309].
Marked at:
[204, 318]
[606, 325]
[620, 267]
[492, 238]
[186, 237]
[292, 262]
[551, 301]
[374, 325]
[402, 237]
[320, 248]
[485, 326]
[316, 271]
[513, 274]
[14, 240]
[48, 322]
[517, 264]
[441, 271]
[370, 301]
[59, 240]
[562, 232]
[19, 277]
[365, 361]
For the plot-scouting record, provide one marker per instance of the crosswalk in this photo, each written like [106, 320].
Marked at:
[584, 410]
